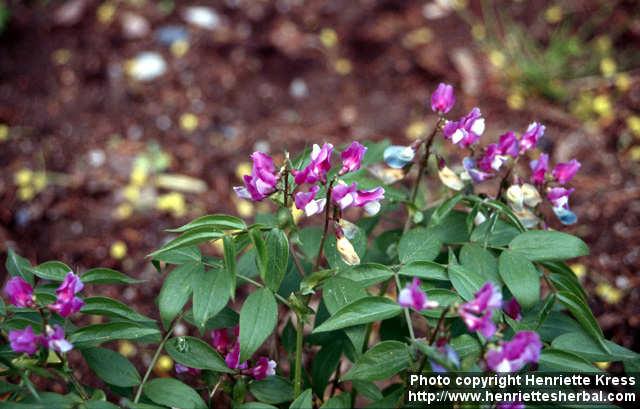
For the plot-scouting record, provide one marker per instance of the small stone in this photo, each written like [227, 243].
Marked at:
[298, 88]
[203, 17]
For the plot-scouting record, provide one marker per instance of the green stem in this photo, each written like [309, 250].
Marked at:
[260, 285]
[327, 214]
[297, 383]
[156, 355]
[407, 314]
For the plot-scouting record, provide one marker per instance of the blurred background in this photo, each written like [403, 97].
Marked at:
[121, 118]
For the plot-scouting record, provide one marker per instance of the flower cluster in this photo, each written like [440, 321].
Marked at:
[20, 294]
[511, 356]
[477, 314]
[231, 350]
[412, 296]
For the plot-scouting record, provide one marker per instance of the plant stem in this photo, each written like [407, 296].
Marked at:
[422, 167]
[260, 285]
[407, 314]
[296, 260]
[438, 326]
[297, 383]
[156, 355]
[327, 214]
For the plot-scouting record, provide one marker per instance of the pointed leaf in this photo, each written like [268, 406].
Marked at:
[213, 222]
[418, 244]
[230, 267]
[107, 276]
[195, 353]
[190, 238]
[521, 277]
[277, 246]
[380, 362]
[542, 245]
[111, 367]
[18, 266]
[210, 294]
[362, 311]
[258, 318]
[176, 290]
[171, 392]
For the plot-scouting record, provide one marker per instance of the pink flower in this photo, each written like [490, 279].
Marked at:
[512, 309]
[352, 157]
[55, 340]
[308, 203]
[181, 369]
[317, 169]
[492, 159]
[442, 99]
[344, 195]
[511, 356]
[24, 340]
[477, 314]
[232, 359]
[262, 181]
[67, 303]
[559, 196]
[467, 130]
[508, 144]
[476, 175]
[220, 340]
[412, 296]
[265, 367]
[369, 200]
[20, 292]
[531, 137]
[539, 169]
[564, 172]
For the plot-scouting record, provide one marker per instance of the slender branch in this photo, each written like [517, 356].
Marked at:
[215, 389]
[438, 326]
[327, 216]
[260, 285]
[297, 383]
[156, 355]
[407, 314]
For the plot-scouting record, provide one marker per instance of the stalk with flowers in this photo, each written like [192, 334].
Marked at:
[373, 283]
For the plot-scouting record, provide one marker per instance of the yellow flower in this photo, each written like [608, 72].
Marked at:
[497, 58]
[188, 122]
[634, 153]
[608, 293]
[105, 13]
[603, 44]
[579, 269]
[244, 208]
[39, 181]
[633, 123]
[623, 82]
[608, 67]
[163, 365]
[131, 193]
[515, 101]
[328, 37]
[23, 177]
[416, 129]
[123, 211]
[553, 14]
[343, 66]
[243, 168]
[138, 175]
[118, 250]
[4, 132]
[173, 203]
[602, 105]
[127, 349]
[26, 193]
[179, 48]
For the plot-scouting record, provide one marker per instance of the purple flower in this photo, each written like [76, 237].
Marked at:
[539, 169]
[412, 296]
[220, 340]
[181, 369]
[232, 359]
[55, 340]
[442, 99]
[508, 144]
[344, 195]
[308, 203]
[23, 340]
[512, 309]
[352, 157]
[67, 303]
[262, 181]
[510, 405]
[475, 174]
[20, 292]
[531, 137]
[369, 200]
[467, 130]
[397, 156]
[564, 172]
[492, 159]
[559, 198]
[265, 367]
[477, 314]
[317, 168]
[511, 356]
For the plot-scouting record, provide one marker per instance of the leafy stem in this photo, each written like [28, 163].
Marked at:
[297, 382]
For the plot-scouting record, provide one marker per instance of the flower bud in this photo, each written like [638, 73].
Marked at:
[347, 252]
[442, 99]
[449, 178]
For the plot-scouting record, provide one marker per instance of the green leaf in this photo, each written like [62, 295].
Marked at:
[180, 255]
[442, 211]
[99, 333]
[542, 245]
[99, 404]
[583, 314]
[190, 238]
[262, 257]
[418, 244]
[254, 405]
[368, 389]
[338, 292]
[465, 281]
[107, 276]
[426, 270]
[362, 311]
[111, 367]
[213, 222]
[51, 270]
[210, 294]
[380, 362]
[18, 266]
[176, 290]
[521, 277]
[111, 308]
[171, 392]
[553, 360]
[277, 246]
[499, 233]
[272, 389]
[324, 365]
[366, 274]
[303, 401]
[309, 283]
[310, 241]
[581, 344]
[480, 260]
[466, 346]
[195, 353]
[452, 229]
[445, 298]
[230, 266]
[342, 401]
[258, 318]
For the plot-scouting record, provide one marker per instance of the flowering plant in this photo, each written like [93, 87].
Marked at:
[469, 282]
